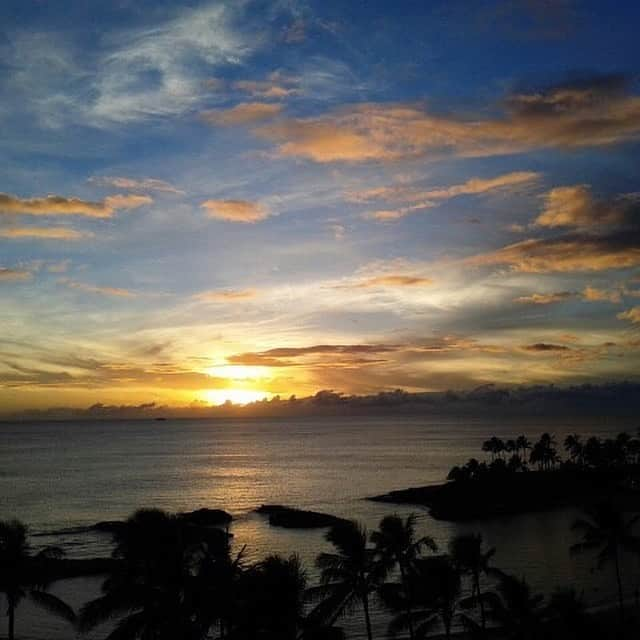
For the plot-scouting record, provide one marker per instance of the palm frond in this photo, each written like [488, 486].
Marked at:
[53, 604]
[129, 628]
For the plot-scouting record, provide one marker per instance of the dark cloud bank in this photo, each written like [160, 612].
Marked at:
[616, 399]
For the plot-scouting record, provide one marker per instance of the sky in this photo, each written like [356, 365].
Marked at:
[205, 201]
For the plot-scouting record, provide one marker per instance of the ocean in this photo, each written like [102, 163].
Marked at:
[60, 477]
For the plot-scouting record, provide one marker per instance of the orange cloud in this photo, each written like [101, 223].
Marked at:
[565, 254]
[60, 206]
[633, 315]
[104, 291]
[545, 298]
[543, 347]
[564, 117]
[231, 295]
[244, 113]
[600, 295]
[428, 198]
[576, 207]
[394, 280]
[235, 210]
[45, 233]
[14, 275]
[265, 89]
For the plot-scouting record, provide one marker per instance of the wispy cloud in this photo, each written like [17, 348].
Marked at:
[565, 254]
[60, 206]
[394, 280]
[576, 207]
[45, 233]
[93, 289]
[236, 210]
[632, 315]
[229, 295]
[593, 113]
[14, 275]
[134, 184]
[546, 298]
[592, 294]
[243, 113]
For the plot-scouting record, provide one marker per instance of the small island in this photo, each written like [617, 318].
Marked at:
[520, 477]
[291, 518]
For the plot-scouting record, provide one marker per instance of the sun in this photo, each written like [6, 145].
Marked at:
[237, 372]
[236, 396]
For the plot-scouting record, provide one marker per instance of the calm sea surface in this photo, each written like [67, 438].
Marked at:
[57, 476]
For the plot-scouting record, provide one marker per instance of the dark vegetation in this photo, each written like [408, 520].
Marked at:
[177, 577]
[290, 518]
[520, 476]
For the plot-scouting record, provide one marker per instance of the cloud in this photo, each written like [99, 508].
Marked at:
[566, 253]
[60, 206]
[591, 113]
[158, 70]
[283, 356]
[601, 295]
[134, 184]
[543, 347]
[103, 291]
[59, 267]
[422, 199]
[236, 210]
[14, 275]
[244, 113]
[545, 298]
[633, 315]
[276, 87]
[576, 207]
[230, 295]
[395, 280]
[45, 233]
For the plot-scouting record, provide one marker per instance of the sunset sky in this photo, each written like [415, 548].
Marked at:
[208, 200]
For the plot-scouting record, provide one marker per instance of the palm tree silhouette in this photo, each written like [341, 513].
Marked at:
[435, 594]
[573, 445]
[348, 577]
[24, 574]
[272, 599]
[467, 554]
[567, 606]
[518, 611]
[148, 589]
[395, 542]
[607, 531]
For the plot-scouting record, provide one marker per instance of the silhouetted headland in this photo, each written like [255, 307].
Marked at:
[595, 470]
[291, 518]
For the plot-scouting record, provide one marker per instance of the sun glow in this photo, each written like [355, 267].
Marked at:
[237, 372]
[235, 396]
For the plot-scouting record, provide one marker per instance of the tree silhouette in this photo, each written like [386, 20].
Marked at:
[606, 531]
[435, 593]
[567, 608]
[574, 447]
[24, 574]
[468, 556]
[348, 577]
[148, 589]
[518, 611]
[395, 542]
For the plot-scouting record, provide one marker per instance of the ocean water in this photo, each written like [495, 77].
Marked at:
[60, 476]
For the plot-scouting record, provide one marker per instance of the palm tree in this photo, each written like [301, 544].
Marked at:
[271, 600]
[435, 594]
[23, 574]
[148, 590]
[568, 607]
[468, 556]
[607, 531]
[348, 577]
[523, 443]
[518, 611]
[573, 445]
[395, 542]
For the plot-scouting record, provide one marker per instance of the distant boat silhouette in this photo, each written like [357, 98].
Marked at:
[161, 418]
